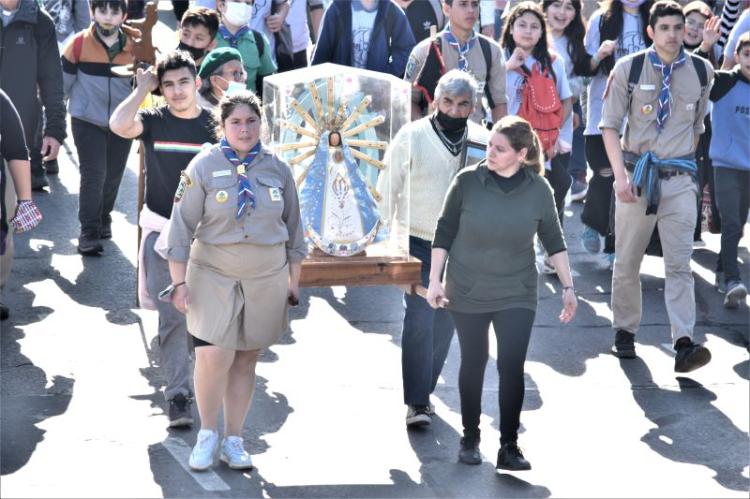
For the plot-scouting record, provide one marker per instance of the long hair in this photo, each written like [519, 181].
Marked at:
[575, 33]
[540, 51]
[521, 135]
[610, 26]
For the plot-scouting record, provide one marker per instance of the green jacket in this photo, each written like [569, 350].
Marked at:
[489, 235]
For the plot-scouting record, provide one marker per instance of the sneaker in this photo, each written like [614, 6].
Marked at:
[547, 267]
[418, 415]
[204, 451]
[51, 167]
[106, 231]
[431, 409]
[4, 312]
[624, 347]
[179, 411]
[469, 452]
[591, 240]
[736, 293]
[510, 457]
[578, 190]
[89, 246]
[699, 243]
[234, 454]
[719, 283]
[39, 182]
[690, 356]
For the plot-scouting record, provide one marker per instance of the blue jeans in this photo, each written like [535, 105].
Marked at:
[425, 338]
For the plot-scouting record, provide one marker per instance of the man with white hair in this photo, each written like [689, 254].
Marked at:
[431, 151]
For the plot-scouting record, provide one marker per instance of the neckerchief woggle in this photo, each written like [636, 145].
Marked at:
[233, 39]
[665, 94]
[246, 197]
[463, 51]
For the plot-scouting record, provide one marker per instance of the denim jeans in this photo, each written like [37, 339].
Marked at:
[425, 338]
[733, 197]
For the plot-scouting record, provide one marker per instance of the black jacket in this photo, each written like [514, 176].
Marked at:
[30, 61]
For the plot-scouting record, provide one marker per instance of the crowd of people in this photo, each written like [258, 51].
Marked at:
[608, 104]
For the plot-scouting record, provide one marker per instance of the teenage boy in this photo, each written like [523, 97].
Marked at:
[235, 32]
[198, 29]
[171, 135]
[664, 101]
[730, 153]
[463, 49]
[93, 91]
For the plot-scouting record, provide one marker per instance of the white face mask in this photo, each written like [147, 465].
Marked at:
[238, 14]
[235, 87]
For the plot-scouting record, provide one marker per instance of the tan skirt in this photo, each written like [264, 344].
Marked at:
[238, 294]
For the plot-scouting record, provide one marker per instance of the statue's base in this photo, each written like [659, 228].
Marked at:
[321, 270]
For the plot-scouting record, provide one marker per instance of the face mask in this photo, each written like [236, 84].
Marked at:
[194, 52]
[235, 87]
[238, 14]
[632, 4]
[105, 32]
[449, 123]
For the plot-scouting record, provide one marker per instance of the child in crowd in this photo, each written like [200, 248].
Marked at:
[235, 32]
[730, 153]
[93, 92]
[197, 31]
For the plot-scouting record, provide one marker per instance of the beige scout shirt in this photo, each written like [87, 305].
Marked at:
[683, 126]
[477, 68]
[208, 207]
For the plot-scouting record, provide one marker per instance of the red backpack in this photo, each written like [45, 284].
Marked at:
[541, 106]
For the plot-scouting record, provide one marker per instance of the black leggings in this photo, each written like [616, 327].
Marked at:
[512, 329]
[560, 180]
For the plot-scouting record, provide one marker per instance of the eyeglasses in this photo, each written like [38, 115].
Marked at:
[236, 75]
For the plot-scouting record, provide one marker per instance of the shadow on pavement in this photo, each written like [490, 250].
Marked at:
[689, 429]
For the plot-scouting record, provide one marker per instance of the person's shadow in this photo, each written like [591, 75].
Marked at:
[689, 429]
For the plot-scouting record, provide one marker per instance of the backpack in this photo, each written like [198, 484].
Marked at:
[541, 106]
[434, 67]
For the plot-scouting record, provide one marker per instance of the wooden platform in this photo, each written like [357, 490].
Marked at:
[320, 271]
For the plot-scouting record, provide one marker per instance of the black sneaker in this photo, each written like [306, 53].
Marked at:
[469, 452]
[418, 415]
[510, 458]
[106, 231]
[51, 167]
[4, 312]
[736, 293]
[89, 246]
[179, 411]
[690, 356]
[624, 347]
[39, 182]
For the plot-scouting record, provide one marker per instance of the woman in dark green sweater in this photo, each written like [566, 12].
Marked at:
[486, 232]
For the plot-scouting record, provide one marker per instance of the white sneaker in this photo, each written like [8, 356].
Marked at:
[204, 451]
[234, 454]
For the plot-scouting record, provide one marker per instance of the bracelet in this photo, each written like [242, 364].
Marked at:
[175, 286]
[570, 288]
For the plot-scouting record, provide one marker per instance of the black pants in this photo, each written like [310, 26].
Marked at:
[705, 178]
[102, 155]
[295, 61]
[560, 180]
[513, 329]
[733, 197]
[600, 196]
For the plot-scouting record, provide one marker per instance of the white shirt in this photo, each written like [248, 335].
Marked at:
[362, 23]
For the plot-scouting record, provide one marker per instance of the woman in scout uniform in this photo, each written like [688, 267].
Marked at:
[238, 205]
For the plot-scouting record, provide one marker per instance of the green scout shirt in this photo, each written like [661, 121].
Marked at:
[254, 64]
[489, 235]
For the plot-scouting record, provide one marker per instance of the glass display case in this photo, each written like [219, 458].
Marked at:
[333, 124]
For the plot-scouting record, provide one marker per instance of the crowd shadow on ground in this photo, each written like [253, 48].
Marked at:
[689, 428]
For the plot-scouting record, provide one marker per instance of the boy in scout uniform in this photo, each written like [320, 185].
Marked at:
[654, 166]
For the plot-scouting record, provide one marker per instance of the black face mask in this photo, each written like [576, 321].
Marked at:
[106, 32]
[450, 124]
[194, 52]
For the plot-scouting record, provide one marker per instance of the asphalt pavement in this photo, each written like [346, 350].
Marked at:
[82, 415]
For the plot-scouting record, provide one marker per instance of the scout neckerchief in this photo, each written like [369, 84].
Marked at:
[463, 51]
[233, 39]
[665, 94]
[246, 196]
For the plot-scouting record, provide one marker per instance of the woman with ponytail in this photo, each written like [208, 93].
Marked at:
[623, 22]
[490, 217]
